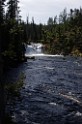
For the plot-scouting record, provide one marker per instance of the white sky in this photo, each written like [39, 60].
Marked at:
[41, 10]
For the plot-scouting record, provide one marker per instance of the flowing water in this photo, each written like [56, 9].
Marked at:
[52, 91]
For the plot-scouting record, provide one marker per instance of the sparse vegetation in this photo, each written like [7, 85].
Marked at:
[13, 89]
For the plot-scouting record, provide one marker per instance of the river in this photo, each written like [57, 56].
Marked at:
[52, 90]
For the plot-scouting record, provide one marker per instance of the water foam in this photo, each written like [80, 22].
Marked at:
[35, 50]
[44, 55]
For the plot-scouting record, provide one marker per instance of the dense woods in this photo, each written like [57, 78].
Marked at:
[64, 34]
[61, 35]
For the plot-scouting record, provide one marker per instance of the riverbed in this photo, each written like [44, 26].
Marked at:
[52, 90]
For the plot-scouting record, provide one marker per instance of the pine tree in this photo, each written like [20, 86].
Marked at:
[13, 9]
[15, 31]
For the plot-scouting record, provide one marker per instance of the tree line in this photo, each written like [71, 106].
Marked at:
[63, 35]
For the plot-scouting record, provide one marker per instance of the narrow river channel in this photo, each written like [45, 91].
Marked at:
[52, 90]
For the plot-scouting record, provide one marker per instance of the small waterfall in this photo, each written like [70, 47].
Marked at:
[36, 50]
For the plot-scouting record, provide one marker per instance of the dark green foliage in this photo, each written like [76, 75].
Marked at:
[13, 89]
[15, 48]
[13, 9]
[65, 37]
[12, 35]
[33, 31]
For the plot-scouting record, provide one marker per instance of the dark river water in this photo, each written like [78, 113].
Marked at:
[52, 90]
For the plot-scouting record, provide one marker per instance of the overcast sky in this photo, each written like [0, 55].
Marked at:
[41, 10]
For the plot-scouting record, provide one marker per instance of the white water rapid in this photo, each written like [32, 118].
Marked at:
[36, 50]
